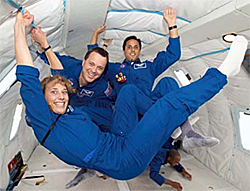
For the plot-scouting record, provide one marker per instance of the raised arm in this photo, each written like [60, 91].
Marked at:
[23, 56]
[94, 39]
[39, 36]
[37, 109]
[106, 43]
[169, 16]
[96, 34]
[165, 59]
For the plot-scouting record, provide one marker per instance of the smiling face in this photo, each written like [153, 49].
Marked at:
[132, 50]
[56, 95]
[92, 68]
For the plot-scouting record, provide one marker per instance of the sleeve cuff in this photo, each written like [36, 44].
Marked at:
[163, 180]
[181, 169]
[27, 70]
[89, 46]
[174, 39]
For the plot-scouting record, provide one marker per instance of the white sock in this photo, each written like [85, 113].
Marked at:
[231, 65]
[177, 132]
[193, 120]
[191, 143]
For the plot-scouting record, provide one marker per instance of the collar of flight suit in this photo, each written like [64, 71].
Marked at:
[130, 62]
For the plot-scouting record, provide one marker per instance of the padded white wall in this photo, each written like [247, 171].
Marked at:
[50, 15]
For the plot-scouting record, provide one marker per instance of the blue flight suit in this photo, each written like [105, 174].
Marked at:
[161, 159]
[96, 98]
[77, 141]
[143, 75]
[162, 88]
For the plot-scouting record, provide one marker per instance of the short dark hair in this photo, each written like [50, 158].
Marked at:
[173, 153]
[98, 50]
[129, 38]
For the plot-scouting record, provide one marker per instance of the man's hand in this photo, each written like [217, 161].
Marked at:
[39, 36]
[24, 19]
[185, 174]
[106, 43]
[174, 184]
[96, 33]
[100, 30]
[169, 16]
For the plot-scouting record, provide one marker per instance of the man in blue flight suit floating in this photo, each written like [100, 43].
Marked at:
[143, 75]
[168, 154]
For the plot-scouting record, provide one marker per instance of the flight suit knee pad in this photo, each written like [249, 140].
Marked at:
[163, 87]
[169, 83]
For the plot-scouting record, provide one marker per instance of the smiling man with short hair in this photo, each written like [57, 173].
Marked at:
[91, 90]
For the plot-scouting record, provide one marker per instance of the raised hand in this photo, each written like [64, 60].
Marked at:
[100, 30]
[24, 19]
[39, 36]
[169, 16]
[97, 31]
[106, 43]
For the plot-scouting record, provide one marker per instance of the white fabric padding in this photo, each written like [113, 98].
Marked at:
[200, 24]
[82, 18]
[197, 8]
[215, 116]
[48, 14]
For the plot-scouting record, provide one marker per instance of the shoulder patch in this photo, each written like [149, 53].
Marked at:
[69, 109]
[108, 91]
[71, 81]
[122, 65]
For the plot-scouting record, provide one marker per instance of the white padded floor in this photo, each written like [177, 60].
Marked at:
[57, 174]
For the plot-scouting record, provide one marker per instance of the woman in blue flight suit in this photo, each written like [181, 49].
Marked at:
[76, 140]
[96, 97]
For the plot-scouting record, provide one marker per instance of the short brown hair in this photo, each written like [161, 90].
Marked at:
[56, 79]
[98, 50]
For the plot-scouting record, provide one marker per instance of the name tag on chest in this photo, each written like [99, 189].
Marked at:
[140, 65]
[84, 92]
